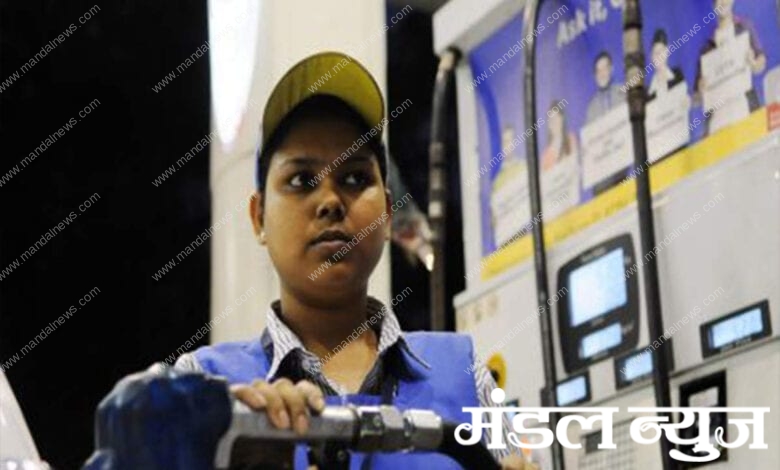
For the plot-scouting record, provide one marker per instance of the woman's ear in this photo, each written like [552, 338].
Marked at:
[389, 212]
[256, 215]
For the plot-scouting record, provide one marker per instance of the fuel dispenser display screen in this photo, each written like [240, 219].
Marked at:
[735, 329]
[573, 391]
[598, 287]
[600, 341]
[600, 317]
[633, 367]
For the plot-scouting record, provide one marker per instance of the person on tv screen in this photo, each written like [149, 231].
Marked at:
[609, 95]
[665, 78]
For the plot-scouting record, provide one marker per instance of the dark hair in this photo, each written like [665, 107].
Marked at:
[602, 55]
[318, 106]
[660, 36]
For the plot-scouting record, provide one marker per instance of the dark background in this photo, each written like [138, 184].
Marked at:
[134, 228]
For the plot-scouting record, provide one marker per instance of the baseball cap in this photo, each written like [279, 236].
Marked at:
[326, 73]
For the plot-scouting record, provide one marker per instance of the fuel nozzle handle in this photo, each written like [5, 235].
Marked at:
[173, 420]
[362, 428]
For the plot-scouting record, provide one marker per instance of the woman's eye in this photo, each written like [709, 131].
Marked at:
[357, 178]
[298, 180]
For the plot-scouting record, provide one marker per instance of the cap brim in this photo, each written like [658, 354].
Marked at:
[326, 73]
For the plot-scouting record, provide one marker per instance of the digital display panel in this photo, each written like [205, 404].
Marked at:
[572, 391]
[600, 316]
[597, 287]
[736, 328]
[637, 366]
[600, 340]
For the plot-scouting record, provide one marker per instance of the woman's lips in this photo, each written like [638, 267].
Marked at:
[329, 248]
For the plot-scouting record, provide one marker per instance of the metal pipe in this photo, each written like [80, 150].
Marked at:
[437, 186]
[540, 256]
[635, 63]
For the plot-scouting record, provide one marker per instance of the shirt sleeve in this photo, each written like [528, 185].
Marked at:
[485, 385]
[185, 363]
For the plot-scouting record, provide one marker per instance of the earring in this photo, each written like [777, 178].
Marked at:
[261, 237]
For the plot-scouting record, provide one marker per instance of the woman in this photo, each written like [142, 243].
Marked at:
[322, 206]
[560, 142]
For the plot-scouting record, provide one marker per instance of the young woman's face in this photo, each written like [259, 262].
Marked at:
[310, 226]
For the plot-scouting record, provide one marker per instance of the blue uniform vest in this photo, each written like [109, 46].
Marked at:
[446, 387]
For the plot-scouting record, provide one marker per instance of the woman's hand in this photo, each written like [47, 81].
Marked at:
[288, 405]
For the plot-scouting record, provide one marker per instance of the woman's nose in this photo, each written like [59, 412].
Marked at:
[331, 207]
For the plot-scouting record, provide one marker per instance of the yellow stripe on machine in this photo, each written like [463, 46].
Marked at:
[664, 174]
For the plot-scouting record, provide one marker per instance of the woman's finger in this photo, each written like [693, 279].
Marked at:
[249, 396]
[276, 408]
[295, 401]
[314, 396]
